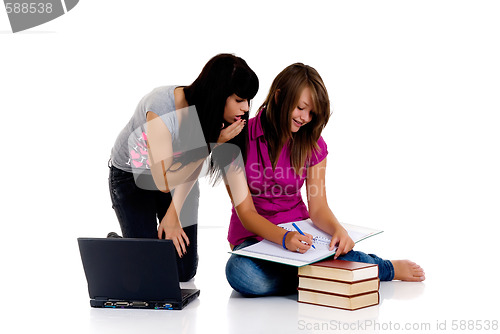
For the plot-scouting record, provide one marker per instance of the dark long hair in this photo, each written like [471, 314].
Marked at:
[223, 76]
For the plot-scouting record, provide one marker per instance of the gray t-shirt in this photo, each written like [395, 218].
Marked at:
[130, 150]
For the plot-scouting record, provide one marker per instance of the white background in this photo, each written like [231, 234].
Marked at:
[413, 139]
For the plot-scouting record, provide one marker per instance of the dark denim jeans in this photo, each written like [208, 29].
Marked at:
[139, 211]
[254, 277]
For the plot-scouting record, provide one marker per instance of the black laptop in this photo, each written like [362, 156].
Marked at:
[133, 273]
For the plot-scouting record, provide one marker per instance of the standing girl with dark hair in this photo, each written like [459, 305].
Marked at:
[157, 158]
[285, 149]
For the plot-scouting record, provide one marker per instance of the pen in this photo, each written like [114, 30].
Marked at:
[298, 230]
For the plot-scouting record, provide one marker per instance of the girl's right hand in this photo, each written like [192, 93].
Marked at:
[231, 131]
[296, 242]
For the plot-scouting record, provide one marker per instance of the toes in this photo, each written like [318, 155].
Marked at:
[418, 270]
[406, 270]
[419, 275]
[413, 279]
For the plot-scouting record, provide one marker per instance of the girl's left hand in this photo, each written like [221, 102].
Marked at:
[343, 241]
[170, 228]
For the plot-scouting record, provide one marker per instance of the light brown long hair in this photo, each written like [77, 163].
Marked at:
[277, 111]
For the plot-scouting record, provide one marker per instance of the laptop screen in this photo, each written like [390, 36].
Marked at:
[130, 269]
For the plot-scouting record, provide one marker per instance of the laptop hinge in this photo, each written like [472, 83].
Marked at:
[101, 298]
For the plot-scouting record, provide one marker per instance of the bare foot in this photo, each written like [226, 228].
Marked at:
[405, 270]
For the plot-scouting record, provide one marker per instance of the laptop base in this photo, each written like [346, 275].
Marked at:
[156, 305]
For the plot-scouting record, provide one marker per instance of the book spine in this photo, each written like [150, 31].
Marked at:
[339, 281]
[329, 264]
[341, 308]
[341, 303]
[336, 294]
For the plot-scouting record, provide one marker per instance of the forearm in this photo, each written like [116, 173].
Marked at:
[181, 192]
[167, 173]
[324, 219]
[250, 218]
[237, 188]
[167, 178]
[319, 211]
[255, 223]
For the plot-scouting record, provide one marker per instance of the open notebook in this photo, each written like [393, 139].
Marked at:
[267, 250]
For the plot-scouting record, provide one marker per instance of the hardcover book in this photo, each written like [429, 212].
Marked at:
[345, 271]
[352, 303]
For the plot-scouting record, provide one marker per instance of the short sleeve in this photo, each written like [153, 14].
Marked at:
[161, 101]
[171, 122]
[319, 154]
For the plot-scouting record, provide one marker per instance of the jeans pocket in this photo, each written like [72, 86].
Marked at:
[117, 176]
[121, 185]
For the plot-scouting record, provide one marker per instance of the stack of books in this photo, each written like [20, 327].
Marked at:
[341, 284]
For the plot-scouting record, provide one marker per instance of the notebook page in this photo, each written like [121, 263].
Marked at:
[271, 251]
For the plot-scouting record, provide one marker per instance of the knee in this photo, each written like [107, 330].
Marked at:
[187, 267]
[244, 276]
[356, 256]
[185, 276]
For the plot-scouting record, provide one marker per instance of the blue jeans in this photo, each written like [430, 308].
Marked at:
[139, 211]
[254, 277]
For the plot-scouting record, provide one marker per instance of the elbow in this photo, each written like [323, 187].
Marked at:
[163, 187]
[245, 217]
[313, 215]
[160, 181]
[316, 211]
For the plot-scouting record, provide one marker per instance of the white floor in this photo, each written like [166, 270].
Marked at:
[59, 303]
[413, 149]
